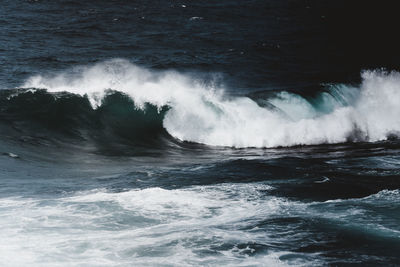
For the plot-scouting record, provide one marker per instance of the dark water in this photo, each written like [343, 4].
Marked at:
[167, 133]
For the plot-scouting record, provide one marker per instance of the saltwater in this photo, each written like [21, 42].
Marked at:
[209, 133]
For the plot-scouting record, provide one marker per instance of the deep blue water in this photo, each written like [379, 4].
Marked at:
[182, 133]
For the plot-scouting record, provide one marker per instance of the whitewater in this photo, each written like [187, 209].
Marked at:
[202, 112]
[199, 133]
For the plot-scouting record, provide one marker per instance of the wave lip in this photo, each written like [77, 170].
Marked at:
[202, 113]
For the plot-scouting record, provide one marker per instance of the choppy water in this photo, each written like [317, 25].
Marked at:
[164, 133]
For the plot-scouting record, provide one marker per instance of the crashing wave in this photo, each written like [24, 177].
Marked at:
[202, 113]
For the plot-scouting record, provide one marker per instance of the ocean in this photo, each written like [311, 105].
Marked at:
[199, 133]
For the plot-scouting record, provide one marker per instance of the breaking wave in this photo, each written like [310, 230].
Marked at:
[194, 111]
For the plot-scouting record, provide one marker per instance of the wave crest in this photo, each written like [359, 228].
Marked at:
[202, 113]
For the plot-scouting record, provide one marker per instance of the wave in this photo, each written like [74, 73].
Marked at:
[63, 119]
[201, 112]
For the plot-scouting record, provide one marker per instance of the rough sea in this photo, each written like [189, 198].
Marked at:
[199, 133]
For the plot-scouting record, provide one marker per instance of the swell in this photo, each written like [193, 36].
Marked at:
[123, 101]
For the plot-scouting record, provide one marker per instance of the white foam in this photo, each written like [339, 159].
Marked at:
[199, 225]
[203, 114]
[148, 227]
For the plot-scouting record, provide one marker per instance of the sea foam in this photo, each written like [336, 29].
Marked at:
[203, 113]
